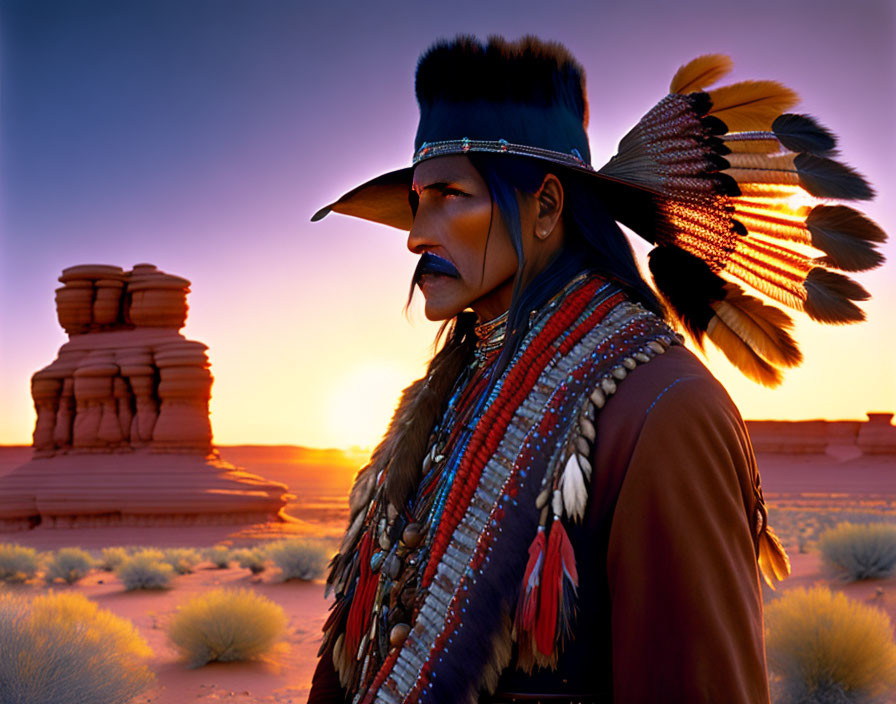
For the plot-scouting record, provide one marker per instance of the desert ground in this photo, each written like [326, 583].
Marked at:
[805, 493]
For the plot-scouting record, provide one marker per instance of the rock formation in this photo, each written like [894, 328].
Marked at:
[123, 431]
[875, 436]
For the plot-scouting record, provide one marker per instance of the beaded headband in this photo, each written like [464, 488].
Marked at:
[429, 150]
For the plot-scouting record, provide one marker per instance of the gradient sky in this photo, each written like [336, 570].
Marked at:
[200, 135]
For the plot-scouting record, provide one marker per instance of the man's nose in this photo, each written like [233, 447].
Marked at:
[418, 240]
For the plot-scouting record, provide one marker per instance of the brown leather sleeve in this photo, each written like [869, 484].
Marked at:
[683, 581]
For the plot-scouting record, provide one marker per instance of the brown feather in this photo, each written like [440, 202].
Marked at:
[773, 560]
[773, 283]
[792, 264]
[751, 105]
[783, 178]
[756, 146]
[700, 72]
[772, 224]
[740, 354]
[764, 328]
[782, 162]
[770, 191]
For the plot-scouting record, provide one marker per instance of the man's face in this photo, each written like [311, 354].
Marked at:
[467, 259]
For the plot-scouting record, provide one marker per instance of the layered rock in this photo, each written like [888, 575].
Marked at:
[876, 436]
[123, 431]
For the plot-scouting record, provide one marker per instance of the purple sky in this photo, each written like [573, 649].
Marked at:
[200, 135]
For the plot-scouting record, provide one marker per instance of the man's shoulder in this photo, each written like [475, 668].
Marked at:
[674, 380]
[674, 396]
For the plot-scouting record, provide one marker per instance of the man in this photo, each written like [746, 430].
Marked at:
[566, 508]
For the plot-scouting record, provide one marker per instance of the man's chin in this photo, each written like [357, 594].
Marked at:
[437, 312]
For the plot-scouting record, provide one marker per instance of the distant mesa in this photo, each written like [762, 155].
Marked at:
[123, 432]
[874, 436]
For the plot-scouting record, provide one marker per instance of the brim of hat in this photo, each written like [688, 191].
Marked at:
[384, 200]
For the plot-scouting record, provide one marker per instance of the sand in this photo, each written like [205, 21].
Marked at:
[283, 677]
[804, 482]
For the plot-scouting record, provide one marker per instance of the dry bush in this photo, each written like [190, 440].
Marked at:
[63, 649]
[219, 556]
[252, 559]
[68, 564]
[145, 570]
[17, 563]
[824, 648]
[226, 625]
[182, 560]
[860, 551]
[111, 558]
[298, 558]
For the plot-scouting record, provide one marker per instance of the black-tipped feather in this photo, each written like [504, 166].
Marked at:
[825, 178]
[713, 125]
[801, 133]
[689, 286]
[700, 102]
[830, 296]
[846, 236]
[725, 184]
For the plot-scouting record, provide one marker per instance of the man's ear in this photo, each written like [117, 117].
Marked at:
[549, 200]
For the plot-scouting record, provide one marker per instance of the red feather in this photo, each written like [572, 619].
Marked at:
[362, 601]
[546, 623]
[568, 557]
[569, 583]
[528, 601]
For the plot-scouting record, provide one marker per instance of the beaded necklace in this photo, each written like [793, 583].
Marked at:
[448, 442]
[423, 584]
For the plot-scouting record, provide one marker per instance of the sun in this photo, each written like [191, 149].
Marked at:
[362, 402]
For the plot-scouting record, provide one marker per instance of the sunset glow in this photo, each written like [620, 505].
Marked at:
[201, 136]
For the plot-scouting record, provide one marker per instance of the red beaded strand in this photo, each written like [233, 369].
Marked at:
[491, 428]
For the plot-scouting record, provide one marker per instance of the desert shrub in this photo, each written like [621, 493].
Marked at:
[63, 649]
[151, 553]
[145, 570]
[252, 559]
[226, 625]
[298, 559]
[219, 556]
[182, 560]
[17, 563]
[68, 564]
[860, 551]
[111, 558]
[823, 648]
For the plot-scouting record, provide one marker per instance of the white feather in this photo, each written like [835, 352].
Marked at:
[572, 485]
[585, 466]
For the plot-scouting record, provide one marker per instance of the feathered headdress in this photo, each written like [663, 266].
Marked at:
[733, 190]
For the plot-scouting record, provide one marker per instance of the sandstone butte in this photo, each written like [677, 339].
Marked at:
[123, 435]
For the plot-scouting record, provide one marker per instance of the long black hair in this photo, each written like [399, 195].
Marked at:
[593, 240]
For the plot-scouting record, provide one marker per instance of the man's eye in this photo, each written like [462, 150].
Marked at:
[453, 192]
[414, 201]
